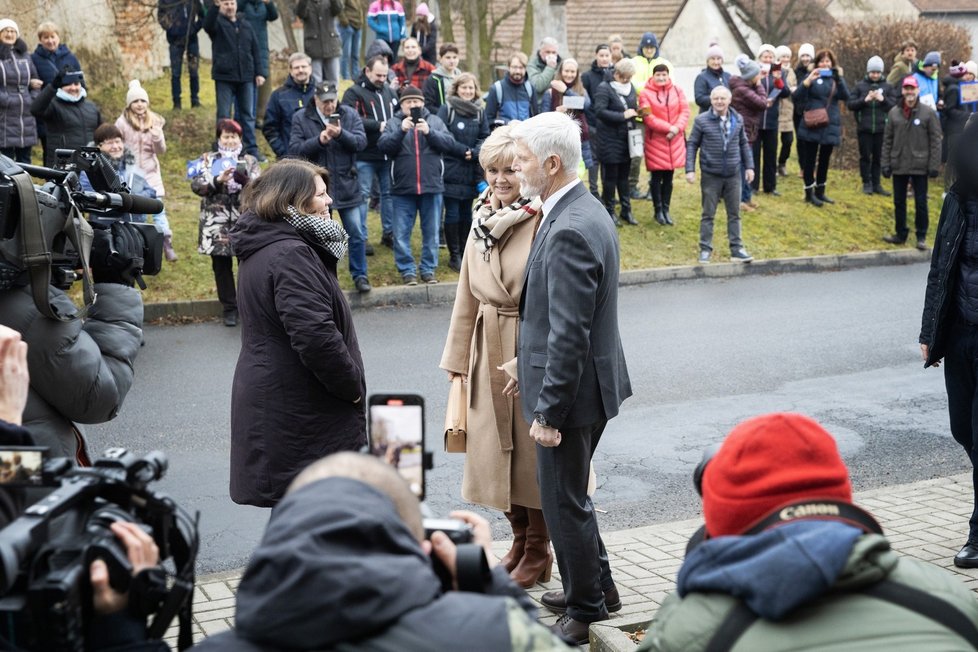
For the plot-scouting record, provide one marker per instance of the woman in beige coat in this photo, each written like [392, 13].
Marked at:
[500, 461]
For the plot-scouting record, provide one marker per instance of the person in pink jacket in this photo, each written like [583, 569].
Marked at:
[142, 132]
[665, 113]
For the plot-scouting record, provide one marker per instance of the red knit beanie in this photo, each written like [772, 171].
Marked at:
[767, 462]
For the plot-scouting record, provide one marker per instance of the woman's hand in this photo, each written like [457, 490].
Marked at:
[558, 86]
[35, 84]
[630, 113]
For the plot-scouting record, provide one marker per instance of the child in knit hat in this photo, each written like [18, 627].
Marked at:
[142, 131]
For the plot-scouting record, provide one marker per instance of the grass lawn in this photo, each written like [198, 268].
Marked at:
[782, 227]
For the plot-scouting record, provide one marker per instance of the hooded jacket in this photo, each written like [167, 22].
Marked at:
[803, 580]
[436, 88]
[749, 101]
[416, 164]
[375, 105]
[320, 38]
[339, 155]
[299, 386]
[668, 108]
[18, 128]
[644, 65]
[337, 566]
[540, 75]
[591, 79]
[611, 139]
[49, 64]
[386, 19]
[283, 103]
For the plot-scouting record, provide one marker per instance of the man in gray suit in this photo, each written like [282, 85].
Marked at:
[571, 367]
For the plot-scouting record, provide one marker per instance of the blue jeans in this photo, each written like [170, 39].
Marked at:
[176, 68]
[366, 171]
[350, 61]
[357, 251]
[746, 192]
[242, 96]
[458, 211]
[161, 223]
[406, 207]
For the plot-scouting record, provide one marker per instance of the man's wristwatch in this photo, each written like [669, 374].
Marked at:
[542, 420]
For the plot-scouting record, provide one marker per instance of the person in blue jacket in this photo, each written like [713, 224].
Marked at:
[710, 77]
[415, 139]
[512, 97]
[295, 94]
[50, 57]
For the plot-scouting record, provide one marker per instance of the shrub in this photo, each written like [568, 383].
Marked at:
[855, 42]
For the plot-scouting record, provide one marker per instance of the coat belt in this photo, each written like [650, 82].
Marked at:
[502, 406]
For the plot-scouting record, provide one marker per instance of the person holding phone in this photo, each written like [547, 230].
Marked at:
[500, 459]
[223, 175]
[870, 103]
[823, 89]
[299, 385]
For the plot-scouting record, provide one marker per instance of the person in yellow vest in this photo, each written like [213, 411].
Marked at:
[646, 59]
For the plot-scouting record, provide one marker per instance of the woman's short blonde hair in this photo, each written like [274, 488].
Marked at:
[47, 28]
[625, 68]
[289, 182]
[499, 149]
[463, 78]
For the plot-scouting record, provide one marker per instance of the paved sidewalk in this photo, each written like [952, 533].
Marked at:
[927, 520]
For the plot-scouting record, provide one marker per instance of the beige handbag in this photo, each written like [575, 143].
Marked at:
[455, 417]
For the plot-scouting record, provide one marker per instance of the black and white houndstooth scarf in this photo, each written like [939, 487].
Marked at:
[324, 231]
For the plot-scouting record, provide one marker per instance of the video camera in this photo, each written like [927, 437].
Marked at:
[43, 235]
[46, 552]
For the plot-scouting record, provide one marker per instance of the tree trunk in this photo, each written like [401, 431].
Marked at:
[446, 27]
[287, 17]
[528, 42]
[475, 10]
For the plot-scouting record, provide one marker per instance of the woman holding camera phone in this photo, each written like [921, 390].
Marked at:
[299, 383]
[500, 459]
[818, 97]
[223, 175]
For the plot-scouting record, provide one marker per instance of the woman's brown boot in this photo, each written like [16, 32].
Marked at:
[537, 559]
[518, 521]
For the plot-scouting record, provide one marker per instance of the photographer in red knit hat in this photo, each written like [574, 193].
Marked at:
[785, 561]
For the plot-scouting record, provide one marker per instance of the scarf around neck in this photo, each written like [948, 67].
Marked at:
[622, 89]
[320, 231]
[493, 220]
[466, 108]
[64, 96]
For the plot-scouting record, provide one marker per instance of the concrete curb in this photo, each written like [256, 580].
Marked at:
[445, 292]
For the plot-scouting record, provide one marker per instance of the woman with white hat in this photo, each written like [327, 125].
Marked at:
[19, 84]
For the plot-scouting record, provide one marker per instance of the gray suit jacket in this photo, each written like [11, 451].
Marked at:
[571, 364]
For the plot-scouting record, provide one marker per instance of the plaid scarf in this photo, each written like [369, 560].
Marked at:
[321, 231]
[493, 220]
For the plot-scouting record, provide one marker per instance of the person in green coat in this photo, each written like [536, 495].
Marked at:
[786, 561]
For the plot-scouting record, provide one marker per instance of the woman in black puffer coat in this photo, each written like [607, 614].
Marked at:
[615, 108]
[822, 88]
[19, 84]
[464, 115]
[69, 118]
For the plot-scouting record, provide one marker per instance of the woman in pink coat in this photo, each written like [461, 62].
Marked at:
[665, 113]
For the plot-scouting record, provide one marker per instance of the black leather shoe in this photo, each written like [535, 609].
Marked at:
[231, 318]
[894, 239]
[967, 557]
[556, 602]
[572, 632]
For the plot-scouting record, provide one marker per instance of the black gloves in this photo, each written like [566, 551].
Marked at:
[117, 254]
[933, 174]
[887, 172]
[60, 77]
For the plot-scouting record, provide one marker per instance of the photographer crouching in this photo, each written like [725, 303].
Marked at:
[81, 362]
[113, 625]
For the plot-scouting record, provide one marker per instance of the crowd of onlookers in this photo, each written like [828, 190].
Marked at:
[405, 137]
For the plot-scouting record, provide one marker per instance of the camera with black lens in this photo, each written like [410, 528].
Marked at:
[45, 552]
[44, 236]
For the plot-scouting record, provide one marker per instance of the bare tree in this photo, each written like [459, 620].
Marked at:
[482, 21]
[776, 21]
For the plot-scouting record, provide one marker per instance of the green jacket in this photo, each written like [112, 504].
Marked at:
[899, 70]
[833, 622]
[912, 145]
[643, 70]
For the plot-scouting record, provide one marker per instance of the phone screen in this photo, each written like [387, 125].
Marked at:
[825, 72]
[334, 118]
[21, 466]
[396, 430]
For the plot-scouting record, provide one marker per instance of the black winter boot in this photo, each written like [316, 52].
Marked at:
[811, 198]
[820, 194]
[454, 251]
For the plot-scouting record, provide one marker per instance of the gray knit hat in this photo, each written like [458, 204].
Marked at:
[875, 64]
[749, 69]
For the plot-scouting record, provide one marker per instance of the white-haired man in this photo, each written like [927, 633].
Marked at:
[569, 305]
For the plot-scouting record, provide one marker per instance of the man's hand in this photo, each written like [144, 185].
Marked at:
[552, 60]
[324, 137]
[259, 80]
[443, 547]
[14, 379]
[422, 126]
[887, 172]
[142, 553]
[690, 177]
[545, 435]
[924, 352]
[749, 175]
[407, 124]
[933, 174]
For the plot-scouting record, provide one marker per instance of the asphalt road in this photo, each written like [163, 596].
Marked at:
[702, 356]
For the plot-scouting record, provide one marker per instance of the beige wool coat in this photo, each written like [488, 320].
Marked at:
[500, 460]
[785, 120]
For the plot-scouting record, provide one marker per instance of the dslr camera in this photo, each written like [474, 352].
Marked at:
[45, 552]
